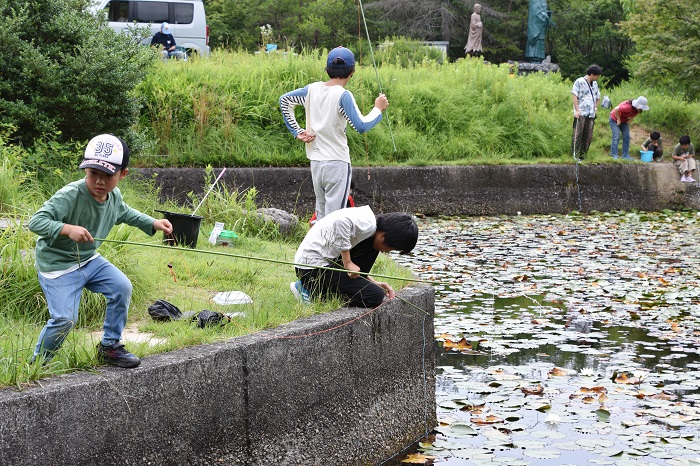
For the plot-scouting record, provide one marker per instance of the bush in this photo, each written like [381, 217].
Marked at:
[65, 73]
[407, 53]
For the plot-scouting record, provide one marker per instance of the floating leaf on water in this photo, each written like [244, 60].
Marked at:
[684, 461]
[533, 390]
[418, 458]
[603, 415]
[548, 434]
[612, 451]
[542, 454]
[594, 443]
[598, 389]
[634, 422]
[472, 453]
[558, 372]
[456, 346]
[542, 407]
[450, 404]
[567, 446]
[462, 429]
[490, 419]
[509, 461]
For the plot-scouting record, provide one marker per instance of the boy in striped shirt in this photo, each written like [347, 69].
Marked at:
[328, 108]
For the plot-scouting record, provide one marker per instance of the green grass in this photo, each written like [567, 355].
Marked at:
[224, 111]
[190, 283]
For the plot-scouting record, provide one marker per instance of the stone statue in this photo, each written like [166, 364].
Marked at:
[537, 22]
[476, 28]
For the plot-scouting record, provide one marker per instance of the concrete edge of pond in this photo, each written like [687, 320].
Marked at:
[459, 190]
[346, 387]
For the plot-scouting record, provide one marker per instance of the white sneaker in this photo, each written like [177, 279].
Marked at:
[299, 292]
[690, 179]
[684, 178]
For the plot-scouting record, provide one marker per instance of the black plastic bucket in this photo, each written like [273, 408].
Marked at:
[185, 229]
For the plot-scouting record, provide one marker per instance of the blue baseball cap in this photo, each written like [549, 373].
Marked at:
[340, 58]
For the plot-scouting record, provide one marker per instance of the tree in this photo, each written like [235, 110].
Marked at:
[504, 24]
[65, 74]
[587, 33]
[295, 23]
[666, 34]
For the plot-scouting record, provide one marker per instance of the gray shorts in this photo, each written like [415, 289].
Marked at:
[331, 181]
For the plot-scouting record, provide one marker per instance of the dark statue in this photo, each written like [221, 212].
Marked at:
[537, 23]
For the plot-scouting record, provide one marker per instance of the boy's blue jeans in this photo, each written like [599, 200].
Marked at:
[623, 129]
[63, 298]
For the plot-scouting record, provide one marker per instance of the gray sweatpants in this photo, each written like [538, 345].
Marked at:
[331, 185]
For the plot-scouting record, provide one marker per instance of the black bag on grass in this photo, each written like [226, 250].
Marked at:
[163, 311]
[207, 318]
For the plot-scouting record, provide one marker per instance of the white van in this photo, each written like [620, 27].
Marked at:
[186, 17]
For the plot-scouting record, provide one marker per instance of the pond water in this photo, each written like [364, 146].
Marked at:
[564, 339]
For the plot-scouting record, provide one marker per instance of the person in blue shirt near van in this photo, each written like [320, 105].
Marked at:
[165, 39]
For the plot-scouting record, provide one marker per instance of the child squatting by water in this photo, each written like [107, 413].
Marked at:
[66, 250]
[684, 158]
[350, 239]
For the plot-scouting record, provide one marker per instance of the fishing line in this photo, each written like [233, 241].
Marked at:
[578, 187]
[275, 261]
[484, 278]
[425, 381]
[362, 92]
[376, 71]
[319, 332]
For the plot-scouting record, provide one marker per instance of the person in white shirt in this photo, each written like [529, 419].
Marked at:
[585, 96]
[350, 239]
[329, 107]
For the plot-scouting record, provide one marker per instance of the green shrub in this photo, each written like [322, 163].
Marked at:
[10, 178]
[407, 53]
[65, 73]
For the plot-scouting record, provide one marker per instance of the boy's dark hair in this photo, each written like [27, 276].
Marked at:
[400, 231]
[341, 73]
[127, 152]
[685, 140]
[655, 135]
[594, 69]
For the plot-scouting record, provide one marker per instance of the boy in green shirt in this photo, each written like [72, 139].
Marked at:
[66, 256]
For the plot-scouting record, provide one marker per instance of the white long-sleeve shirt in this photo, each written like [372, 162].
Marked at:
[338, 231]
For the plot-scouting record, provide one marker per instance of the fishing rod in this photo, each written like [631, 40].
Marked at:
[275, 261]
[374, 64]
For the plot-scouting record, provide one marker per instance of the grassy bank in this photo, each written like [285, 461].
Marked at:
[181, 276]
[224, 111]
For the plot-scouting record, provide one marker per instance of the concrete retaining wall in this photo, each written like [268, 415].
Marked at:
[353, 395]
[462, 190]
